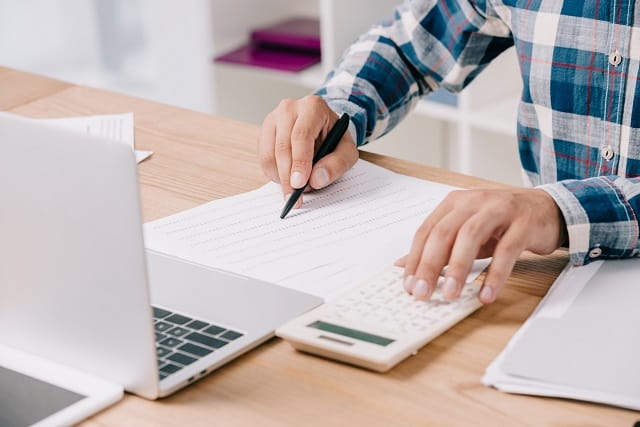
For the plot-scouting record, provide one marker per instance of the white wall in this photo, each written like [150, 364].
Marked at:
[157, 49]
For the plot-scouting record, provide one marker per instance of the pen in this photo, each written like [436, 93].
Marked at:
[333, 137]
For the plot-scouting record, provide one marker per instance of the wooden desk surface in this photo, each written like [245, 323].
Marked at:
[198, 158]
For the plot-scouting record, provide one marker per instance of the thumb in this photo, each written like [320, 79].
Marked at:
[334, 165]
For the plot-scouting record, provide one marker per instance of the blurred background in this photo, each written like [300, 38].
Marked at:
[165, 50]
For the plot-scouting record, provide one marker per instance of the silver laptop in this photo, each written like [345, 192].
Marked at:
[78, 288]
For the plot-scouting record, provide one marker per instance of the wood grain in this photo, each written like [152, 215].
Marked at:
[17, 87]
[198, 158]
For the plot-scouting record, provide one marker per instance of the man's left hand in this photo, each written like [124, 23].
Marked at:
[471, 224]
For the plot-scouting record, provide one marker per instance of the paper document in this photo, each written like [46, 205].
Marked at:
[342, 235]
[581, 341]
[117, 127]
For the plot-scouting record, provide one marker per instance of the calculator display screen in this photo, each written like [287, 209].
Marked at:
[351, 333]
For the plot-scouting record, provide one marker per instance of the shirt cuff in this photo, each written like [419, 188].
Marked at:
[357, 115]
[600, 224]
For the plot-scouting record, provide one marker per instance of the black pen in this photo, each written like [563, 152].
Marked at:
[333, 137]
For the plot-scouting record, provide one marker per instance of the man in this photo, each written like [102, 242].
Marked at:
[578, 129]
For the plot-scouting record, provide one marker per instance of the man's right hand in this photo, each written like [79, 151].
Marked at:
[290, 136]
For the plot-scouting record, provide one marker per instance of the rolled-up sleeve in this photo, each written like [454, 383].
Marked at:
[428, 44]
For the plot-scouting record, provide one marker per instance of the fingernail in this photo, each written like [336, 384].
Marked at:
[421, 289]
[408, 283]
[297, 180]
[450, 287]
[486, 294]
[320, 178]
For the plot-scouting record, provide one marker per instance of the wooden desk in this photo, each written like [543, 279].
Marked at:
[198, 158]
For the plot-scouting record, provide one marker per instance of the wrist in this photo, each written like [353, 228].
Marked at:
[557, 219]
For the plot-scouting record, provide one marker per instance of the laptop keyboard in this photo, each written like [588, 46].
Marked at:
[181, 340]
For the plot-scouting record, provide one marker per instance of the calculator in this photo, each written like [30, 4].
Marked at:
[377, 324]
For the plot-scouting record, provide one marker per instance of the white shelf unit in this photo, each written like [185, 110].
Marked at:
[476, 136]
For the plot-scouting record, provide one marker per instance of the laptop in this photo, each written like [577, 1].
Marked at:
[79, 289]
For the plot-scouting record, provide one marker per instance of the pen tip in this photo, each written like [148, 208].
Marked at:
[284, 212]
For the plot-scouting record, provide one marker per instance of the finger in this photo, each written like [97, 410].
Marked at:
[473, 235]
[334, 165]
[420, 238]
[488, 248]
[305, 132]
[505, 256]
[284, 124]
[436, 252]
[266, 149]
[412, 259]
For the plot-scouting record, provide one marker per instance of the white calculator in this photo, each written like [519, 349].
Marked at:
[377, 324]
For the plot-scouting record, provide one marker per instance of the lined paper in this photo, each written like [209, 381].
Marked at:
[342, 235]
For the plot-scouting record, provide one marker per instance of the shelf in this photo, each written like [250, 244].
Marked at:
[310, 78]
[437, 110]
[499, 116]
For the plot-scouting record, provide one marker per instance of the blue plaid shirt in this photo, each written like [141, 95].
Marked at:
[579, 114]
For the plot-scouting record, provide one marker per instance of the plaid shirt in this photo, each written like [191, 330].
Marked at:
[579, 116]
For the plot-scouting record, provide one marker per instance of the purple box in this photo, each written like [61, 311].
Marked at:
[270, 58]
[290, 45]
[295, 34]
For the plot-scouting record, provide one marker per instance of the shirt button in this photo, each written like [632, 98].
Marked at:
[615, 58]
[595, 253]
[607, 153]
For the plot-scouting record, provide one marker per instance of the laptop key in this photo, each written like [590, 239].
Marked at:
[182, 359]
[231, 335]
[196, 324]
[205, 340]
[214, 330]
[170, 369]
[178, 319]
[162, 326]
[162, 351]
[195, 349]
[162, 375]
[171, 342]
[178, 331]
[160, 313]
[160, 337]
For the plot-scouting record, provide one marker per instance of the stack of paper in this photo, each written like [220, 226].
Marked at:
[582, 341]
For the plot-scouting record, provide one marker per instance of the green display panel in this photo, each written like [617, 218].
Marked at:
[351, 333]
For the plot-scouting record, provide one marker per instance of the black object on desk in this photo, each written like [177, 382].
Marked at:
[333, 138]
